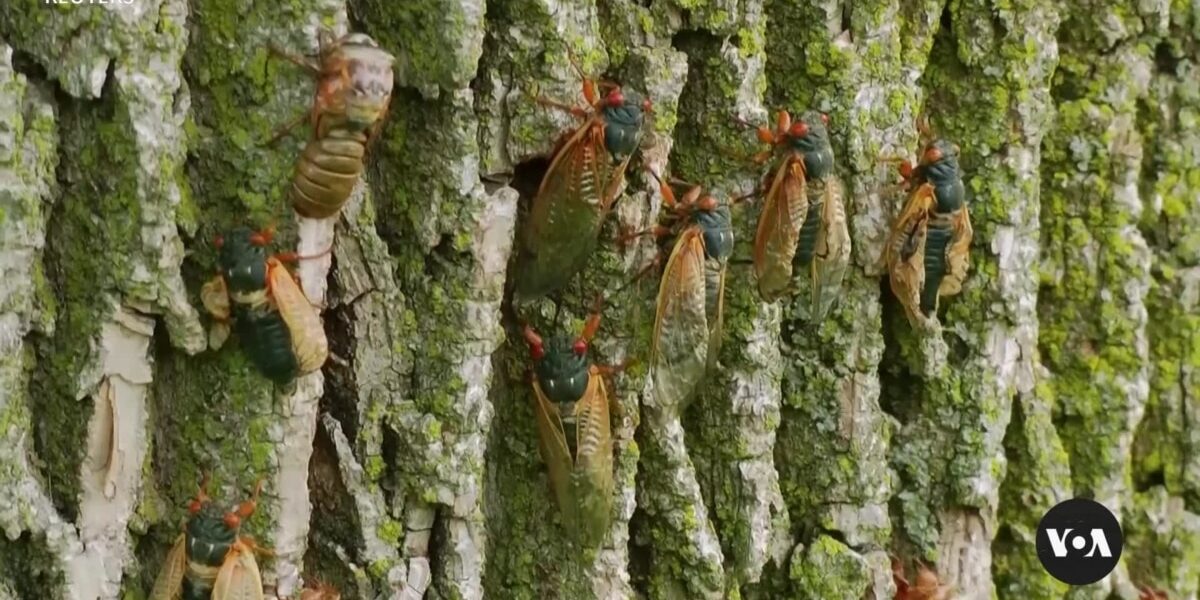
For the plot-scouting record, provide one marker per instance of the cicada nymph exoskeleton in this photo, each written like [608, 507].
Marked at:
[278, 327]
[571, 405]
[210, 559]
[802, 240]
[579, 188]
[353, 90]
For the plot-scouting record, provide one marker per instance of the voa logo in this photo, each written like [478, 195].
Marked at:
[1099, 543]
[1079, 541]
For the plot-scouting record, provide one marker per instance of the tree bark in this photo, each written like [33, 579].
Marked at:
[131, 134]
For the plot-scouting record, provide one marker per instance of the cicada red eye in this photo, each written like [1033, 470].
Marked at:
[932, 155]
[194, 506]
[825, 118]
[218, 242]
[707, 204]
[615, 98]
[799, 129]
[537, 351]
[580, 347]
[647, 106]
[232, 521]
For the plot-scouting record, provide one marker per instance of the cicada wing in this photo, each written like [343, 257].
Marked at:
[567, 212]
[215, 298]
[905, 251]
[238, 578]
[779, 226]
[679, 348]
[552, 443]
[593, 475]
[958, 254]
[169, 584]
[308, 334]
[832, 253]
[715, 311]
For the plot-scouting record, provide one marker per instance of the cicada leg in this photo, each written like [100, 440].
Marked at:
[287, 128]
[296, 59]
[577, 111]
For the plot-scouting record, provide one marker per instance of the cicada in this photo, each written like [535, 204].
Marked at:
[1148, 593]
[928, 252]
[278, 328]
[318, 590]
[354, 88]
[579, 189]
[803, 222]
[209, 559]
[926, 587]
[571, 404]
[691, 295]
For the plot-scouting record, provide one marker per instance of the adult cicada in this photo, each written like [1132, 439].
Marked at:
[928, 251]
[277, 326]
[803, 222]
[691, 295]
[579, 188]
[209, 559]
[354, 88]
[571, 404]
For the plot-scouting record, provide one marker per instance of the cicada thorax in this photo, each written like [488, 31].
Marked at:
[266, 340]
[928, 253]
[574, 434]
[208, 540]
[577, 192]
[354, 87]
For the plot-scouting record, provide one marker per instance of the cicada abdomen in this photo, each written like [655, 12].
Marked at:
[279, 329]
[578, 190]
[802, 230]
[691, 296]
[571, 404]
[354, 88]
[209, 560]
[928, 251]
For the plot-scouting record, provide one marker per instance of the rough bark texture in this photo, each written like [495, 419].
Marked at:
[130, 134]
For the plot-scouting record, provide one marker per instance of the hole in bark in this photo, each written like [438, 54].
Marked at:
[1145, 481]
[390, 447]
[341, 390]
[947, 21]
[1165, 58]
[334, 518]
[527, 176]
[846, 14]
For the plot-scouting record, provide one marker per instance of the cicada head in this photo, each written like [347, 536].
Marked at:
[370, 79]
[810, 135]
[561, 367]
[624, 114]
[243, 260]
[939, 162]
[209, 537]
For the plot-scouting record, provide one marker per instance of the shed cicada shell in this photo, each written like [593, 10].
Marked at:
[691, 295]
[802, 229]
[925, 587]
[579, 188]
[278, 328]
[928, 251]
[571, 404]
[210, 560]
[354, 88]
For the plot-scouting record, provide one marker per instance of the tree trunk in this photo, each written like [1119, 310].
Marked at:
[131, 134]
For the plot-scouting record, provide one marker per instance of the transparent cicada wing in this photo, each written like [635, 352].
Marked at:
[831, 254]
[169, 584]
[679, 348]
[958, 254]
[905, 251]
[779, 225]
[593, 474]
[239, 578]
[567, 212]
[552, 443]
[308, 334]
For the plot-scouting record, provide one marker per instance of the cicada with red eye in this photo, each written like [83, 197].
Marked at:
[210, 559]
[571, 404]
[928, 250]
[579, 188]
[354, 88]
[691, 296]
[802, 228]
[926, 587]
[277, 326]
[319, 590]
